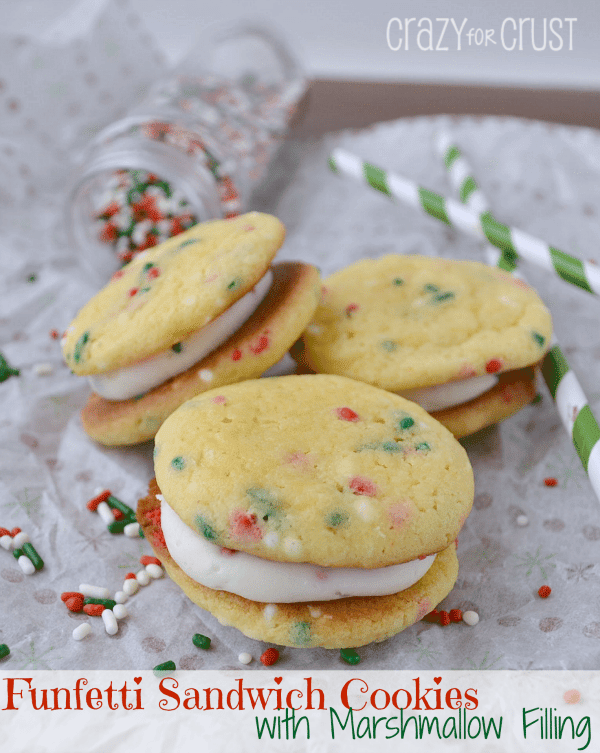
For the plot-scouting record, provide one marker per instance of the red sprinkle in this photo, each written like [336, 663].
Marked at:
[363, 486]
[93, 503]
[236, 355]
[148, 560]
[350, 309]
[433, 616]
[117, 513]
[422, 557]
[94, 610]
[153, 272]
[4, 532]
[544, 592]
[75, 603]
[455, 615]
[551, 481]
[54, 334]
[262, 344]
[15, 531]
[444, 618]
[68, 594]
[346, 414]
[271, 656]
[493, 366]
[132, 292]
[228, 552]
[129, 576]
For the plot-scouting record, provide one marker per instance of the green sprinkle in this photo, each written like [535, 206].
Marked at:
[406, 422]
[267, 502]
[79, 345]
[300, 634]
[144, 290]
[389, 345]
[108, 603]
[443, 297]
[540, 339]
[32, 278]
[187, 243]
[4, 650]
[234, 284]
[350, 656]
[6, 370]
[337, 519]
[17, 553]
[116, 504]
[118, 526]
[398, 281]
[431, 288]
[178, 463]
[178, 347]
[201, 641]
[155, 451]
[167, 666]
[422, 447]
[391, 447]
[148, 265]
[205, 529]
[127, 231]
[165, 187]
[140, 396]
[29, 551]
[537, 399]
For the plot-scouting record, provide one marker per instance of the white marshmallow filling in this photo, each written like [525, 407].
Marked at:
[442, 396]
[274, 582]
[139, 378]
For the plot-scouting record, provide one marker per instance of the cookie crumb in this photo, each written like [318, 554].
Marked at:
[470, 618]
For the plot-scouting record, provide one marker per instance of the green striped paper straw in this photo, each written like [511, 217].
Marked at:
[513, 243]
[571, 402]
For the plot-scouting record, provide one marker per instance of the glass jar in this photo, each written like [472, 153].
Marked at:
[192, 150]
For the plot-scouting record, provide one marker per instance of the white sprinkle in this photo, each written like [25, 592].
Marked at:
[97, 491]
[120, 597]
[314, 612]
[6, 542]
[43, 369]
[142, 578]
[20, 539]
[120, 611]
[271, 539]
[106, 513]
[132, 530]
[470, 618]
[270, 611]
[364, 509]
[110, 621]
[206, 375]
[244, 658]
[26, 565]
[94, 592]
[154, 571]
[522, 520]
[189, 301]
[82, 630]
[131, 586]
[314, 329]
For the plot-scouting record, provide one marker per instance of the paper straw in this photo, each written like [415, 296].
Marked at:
[571, 402]
[513, 243]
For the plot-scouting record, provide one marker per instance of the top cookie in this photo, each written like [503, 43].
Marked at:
[402, 322]
[171, 290]
[318, 468]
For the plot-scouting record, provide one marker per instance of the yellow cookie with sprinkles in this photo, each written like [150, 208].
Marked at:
[440, 332]
[202, 309]
[337, 529]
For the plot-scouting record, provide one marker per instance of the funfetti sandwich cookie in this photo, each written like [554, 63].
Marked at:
[308, 510]
[459, 338]
[203, 309]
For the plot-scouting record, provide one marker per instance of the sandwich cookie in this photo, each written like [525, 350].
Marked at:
[459, 338]
[203, 309]
[308, 510]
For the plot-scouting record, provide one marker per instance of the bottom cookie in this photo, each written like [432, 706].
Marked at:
[514, 390]
[342, 623]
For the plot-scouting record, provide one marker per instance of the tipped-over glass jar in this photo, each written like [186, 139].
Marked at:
[192, 150]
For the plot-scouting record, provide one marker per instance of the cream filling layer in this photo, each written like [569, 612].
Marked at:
[129, 381]
[447, 395]
[272, 582]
